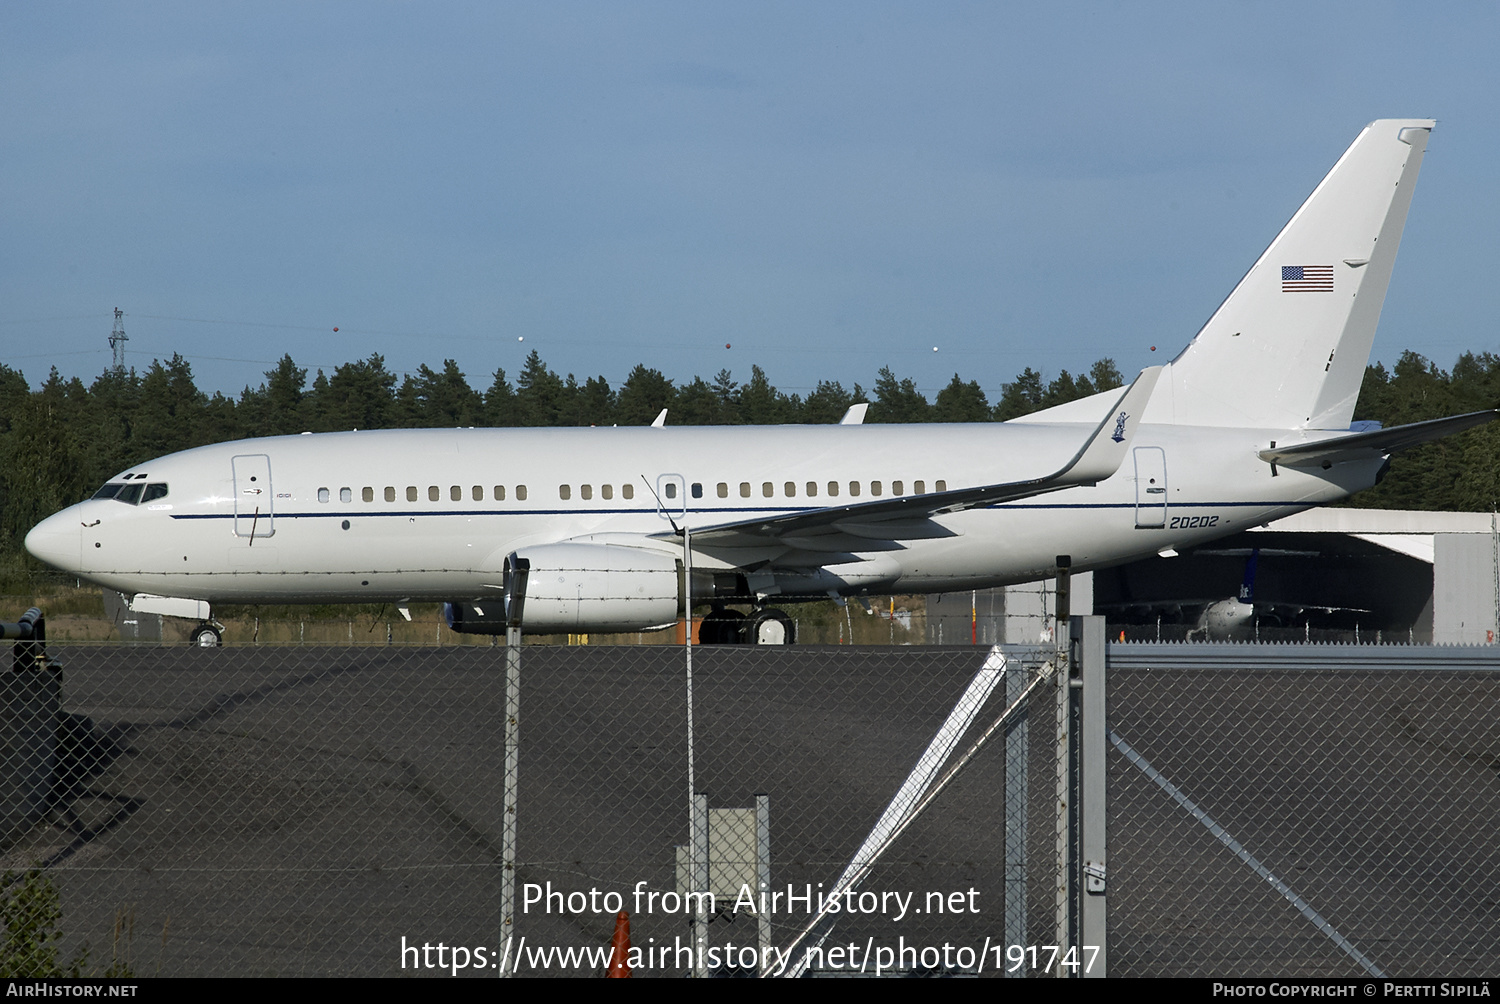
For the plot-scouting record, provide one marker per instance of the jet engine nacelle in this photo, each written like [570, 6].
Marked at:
[583, 587]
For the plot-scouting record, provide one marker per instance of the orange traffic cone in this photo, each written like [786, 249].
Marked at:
[619, 949]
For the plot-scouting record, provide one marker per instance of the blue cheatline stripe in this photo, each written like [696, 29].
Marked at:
[1234, 845]
[748, 511]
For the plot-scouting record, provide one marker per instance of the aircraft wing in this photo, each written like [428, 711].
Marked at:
[910, 517]
[1279, 607]
[1156, 606]
[1282, 608]
[1369, 445]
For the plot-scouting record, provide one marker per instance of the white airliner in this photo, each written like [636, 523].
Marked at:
[1233, 618]
[1250, 422]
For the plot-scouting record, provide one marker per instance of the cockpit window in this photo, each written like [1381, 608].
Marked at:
[132, 494]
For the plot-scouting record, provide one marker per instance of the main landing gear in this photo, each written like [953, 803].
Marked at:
[764, 626]
[206, 635]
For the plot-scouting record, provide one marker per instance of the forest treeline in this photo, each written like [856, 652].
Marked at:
[64, 439]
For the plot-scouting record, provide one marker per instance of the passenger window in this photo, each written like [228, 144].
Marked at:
[323, 495]
[671, 489]
[874, 487]
[411, 493]
[812, 489]
[433, 494]
[606, 491]
[154, 492]
[942, 486]
[586, 491]
[627, 491]
[565, 492]
[456, 493]
[767, 489]
[477, 493]
[499, 493]
[346, 495]
[697, 490]
[723, 490]
[368, 494]
[895, 488]
[520, 493]
[390, 493]
[854, 488]
[833, 489]
[920, 487]
[744, 489]
[791, 489]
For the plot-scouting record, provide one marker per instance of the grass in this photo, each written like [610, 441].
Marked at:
[75, 613]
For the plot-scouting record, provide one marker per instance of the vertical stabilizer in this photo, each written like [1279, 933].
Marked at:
[1247, 587]
[1288, 348]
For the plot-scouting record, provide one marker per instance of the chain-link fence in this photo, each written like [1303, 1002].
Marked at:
[1303, 810]
[318, 810]
[1276, 810]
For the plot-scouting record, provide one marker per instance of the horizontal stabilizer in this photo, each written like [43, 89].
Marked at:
[1369, 445]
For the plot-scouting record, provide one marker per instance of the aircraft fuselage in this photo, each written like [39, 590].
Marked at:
[432, 514]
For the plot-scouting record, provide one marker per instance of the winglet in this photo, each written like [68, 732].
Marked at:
[661, 420]
[1106, 449]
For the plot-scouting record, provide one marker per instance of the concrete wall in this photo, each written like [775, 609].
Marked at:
[1464, 589]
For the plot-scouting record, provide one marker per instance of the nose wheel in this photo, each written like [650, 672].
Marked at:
[206, 635]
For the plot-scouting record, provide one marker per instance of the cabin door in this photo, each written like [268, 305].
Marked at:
[672, 497]
[1150, 487]
[254, 512]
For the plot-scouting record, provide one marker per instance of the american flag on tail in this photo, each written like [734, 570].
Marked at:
[1307, 278]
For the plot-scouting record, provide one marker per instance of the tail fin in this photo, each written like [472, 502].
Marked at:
[1247, 587]
[1288, 348]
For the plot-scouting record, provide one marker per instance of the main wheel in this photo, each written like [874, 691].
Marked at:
[769, 626]
[721, 627]
[206, 636]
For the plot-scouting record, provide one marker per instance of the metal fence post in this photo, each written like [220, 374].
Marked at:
[517, 571]
[763, 871]
[512, 764]
[1093, 959]
[1064, 804]
[1017, 761]
[698, 883]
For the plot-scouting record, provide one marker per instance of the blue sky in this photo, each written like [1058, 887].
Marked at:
[827, 188]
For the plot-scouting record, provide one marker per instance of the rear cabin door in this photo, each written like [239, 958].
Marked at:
[1150, 487]
[254, 512]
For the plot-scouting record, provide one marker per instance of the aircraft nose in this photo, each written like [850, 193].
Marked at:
[57, 540]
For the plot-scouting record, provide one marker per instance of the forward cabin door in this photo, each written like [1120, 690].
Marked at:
[254, 511]
[1150, 488]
